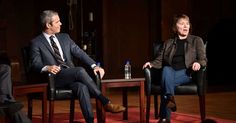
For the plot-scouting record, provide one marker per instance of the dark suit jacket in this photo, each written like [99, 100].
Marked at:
[42, 53]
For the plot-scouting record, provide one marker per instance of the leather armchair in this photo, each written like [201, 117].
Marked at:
[54, 93]
[152, 87]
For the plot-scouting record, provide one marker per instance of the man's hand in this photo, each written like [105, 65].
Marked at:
[53, 69]
[100, 70]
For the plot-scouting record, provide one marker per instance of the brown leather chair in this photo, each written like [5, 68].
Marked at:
[152, 87]
[54, 93]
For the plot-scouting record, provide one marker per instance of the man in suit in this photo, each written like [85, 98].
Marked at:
[8, 105]
[56, 58]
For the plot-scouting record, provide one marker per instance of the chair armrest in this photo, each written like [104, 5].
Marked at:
[51, 86]
[148, 80]
[152, 78]
[200, 78]
[98, 80]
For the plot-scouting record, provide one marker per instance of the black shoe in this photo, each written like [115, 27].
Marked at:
[11, 107]
[90, 120]
[163, 120]
[171, 103]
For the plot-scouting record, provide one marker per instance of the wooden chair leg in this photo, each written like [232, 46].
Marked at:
[156, 106]
[101, 114]
[72, 110]
[51, 111]
[202, 107]
[30, 107]
[148, 108]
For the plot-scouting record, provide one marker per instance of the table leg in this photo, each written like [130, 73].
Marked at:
[124, 95]
[44, 106]
[30, 108]
[100, 112]
[141, 98]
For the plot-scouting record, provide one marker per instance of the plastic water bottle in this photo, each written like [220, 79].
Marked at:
[127, 70]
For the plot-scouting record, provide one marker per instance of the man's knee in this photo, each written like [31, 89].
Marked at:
[81, 70]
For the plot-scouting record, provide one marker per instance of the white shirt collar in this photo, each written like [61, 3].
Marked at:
[47, 36]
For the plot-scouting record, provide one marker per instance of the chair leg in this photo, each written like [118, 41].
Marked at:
[51, 111]
[202, 107]
[156, 106]
[72, 110]
[101, 114]
[148, 108]
[30, 107]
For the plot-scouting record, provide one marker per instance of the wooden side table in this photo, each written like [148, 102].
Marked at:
[125, 83]
[33, 88]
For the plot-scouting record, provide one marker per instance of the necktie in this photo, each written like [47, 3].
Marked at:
[56, 51]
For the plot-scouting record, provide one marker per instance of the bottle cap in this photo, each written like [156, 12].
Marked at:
[127, 62]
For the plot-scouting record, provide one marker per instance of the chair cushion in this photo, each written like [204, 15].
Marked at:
[63, 94]
[186, 89]
[60, 94]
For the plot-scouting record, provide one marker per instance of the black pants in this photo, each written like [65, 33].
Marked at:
[18, 117]
[6, 95]
[82, 85]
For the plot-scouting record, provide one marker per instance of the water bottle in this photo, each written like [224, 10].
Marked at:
[127, 70]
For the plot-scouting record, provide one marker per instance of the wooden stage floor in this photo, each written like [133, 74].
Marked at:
[220, 102]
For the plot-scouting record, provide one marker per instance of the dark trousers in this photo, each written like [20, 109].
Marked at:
[170, 79]
[6, 95]
[82, 85]
[18, 117]
[5, 83]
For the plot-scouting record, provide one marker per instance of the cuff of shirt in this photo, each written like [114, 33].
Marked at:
[44, 69]
[93, 66]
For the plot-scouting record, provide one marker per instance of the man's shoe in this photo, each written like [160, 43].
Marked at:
[163, 120]
[113, 108]
[171, 103]
[11, 107]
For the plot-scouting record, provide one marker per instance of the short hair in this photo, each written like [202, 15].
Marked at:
[46, 17]
[176, 18]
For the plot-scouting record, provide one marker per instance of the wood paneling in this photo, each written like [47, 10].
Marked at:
[125, 35]
[125, 29]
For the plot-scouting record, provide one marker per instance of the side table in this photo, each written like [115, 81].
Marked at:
[33, 88]
[124, 84]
